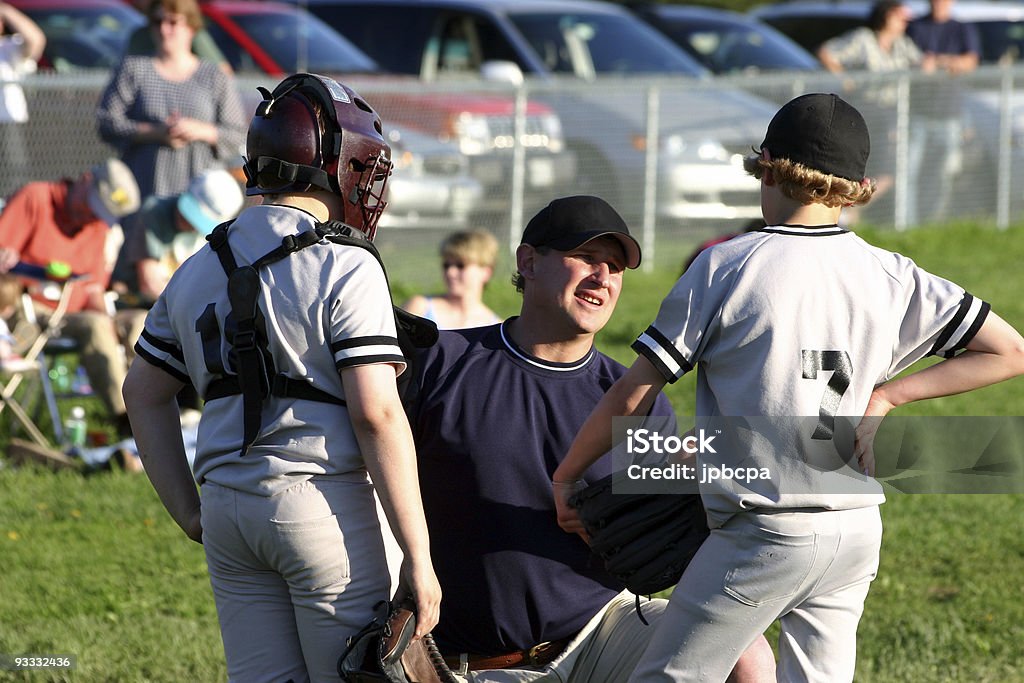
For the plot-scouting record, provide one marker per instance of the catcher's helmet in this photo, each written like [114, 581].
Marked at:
[313, 132]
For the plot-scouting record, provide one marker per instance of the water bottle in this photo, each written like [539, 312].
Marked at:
[75, 429]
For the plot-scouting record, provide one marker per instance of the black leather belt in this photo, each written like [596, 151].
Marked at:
[538, 655]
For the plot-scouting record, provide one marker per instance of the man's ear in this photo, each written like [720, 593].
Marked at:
[526, 260]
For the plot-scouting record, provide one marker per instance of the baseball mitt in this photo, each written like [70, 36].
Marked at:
[391, 654]
[645, 540]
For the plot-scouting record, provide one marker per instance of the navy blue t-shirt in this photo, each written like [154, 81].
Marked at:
[491, 425]
[944, 38]
[940, 97]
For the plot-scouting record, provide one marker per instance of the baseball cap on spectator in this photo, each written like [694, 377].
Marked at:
[822, 132]
[114, 193]
[212, 197]
[568, 222]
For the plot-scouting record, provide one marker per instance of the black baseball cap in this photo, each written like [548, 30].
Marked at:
[822, 132]
[568, 222]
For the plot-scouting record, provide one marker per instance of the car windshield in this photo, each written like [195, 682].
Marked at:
[85, 37]
[301, 42]
[1001, 39]
[595, 44]
[725, 47]
[810, 31]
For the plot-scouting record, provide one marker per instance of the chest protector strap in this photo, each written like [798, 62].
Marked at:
[257, 378]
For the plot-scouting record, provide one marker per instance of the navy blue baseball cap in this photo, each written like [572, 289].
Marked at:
[822, 132]
[568, 222]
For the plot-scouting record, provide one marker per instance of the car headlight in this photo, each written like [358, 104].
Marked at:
[1017, 132]
[472, 132]
[407, 162]
[675, 145]
[552, 127]
[712, 150]
[708, 151]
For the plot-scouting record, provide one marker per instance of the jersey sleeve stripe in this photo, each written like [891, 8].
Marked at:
[363, 341]
[962, 328]
[142, 352]
[370, 360]
[160, 345]
[385, 349]
[953, 324]
[648, 353]
[978, 322]
[674, 362]
[966, 338]
[668, 347]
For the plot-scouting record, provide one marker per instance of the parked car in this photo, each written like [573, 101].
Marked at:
[430, 186]
[705, 130]
[456, 152]
[82, 34]
[1001, 27]
[725, 41]
[279, 39]
[811, 23]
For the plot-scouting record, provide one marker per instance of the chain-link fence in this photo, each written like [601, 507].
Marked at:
[667, 153]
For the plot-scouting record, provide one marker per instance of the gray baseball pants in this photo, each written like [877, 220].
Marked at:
[810, 570]
[293, 575]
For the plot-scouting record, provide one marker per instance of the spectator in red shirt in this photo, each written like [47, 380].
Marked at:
[68, 222]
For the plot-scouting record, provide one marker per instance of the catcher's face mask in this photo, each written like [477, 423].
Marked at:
[313, 132]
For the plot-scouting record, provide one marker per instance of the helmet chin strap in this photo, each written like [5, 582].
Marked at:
[289, 173]
[336, 227]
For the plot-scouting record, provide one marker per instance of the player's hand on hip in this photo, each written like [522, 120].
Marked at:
[864, 436]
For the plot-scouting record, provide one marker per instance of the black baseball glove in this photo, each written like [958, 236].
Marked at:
[645, 540]
[390, 653]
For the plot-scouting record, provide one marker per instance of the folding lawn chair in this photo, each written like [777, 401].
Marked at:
[33, 361]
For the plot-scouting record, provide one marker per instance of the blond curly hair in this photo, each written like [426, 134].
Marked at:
[808, 186]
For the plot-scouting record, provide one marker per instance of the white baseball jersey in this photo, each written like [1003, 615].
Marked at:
[327, 307]
[793, 321]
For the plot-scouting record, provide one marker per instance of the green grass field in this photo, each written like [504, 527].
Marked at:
[93, 566]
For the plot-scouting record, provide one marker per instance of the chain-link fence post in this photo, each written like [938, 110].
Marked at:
[902, 185]
[1005, 148]
[518, 170]
[650, 214]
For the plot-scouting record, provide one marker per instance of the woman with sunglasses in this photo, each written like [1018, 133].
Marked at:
[467, 259]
